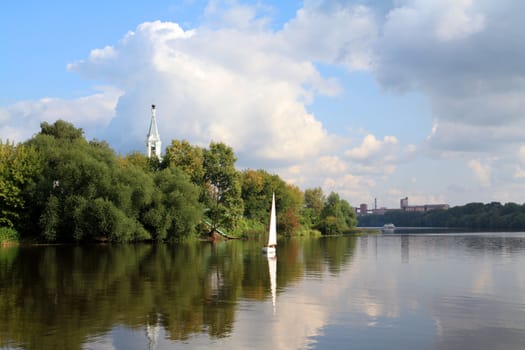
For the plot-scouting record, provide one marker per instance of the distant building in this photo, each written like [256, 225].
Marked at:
[420, 208]
[404, 202]
[380, 211]
[153, 143]
[436, 206]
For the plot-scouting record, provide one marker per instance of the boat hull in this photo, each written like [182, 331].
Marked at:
[388, 228]
[269, 251]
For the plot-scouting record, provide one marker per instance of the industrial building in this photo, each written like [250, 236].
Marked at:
[420, 208]
[403, 206]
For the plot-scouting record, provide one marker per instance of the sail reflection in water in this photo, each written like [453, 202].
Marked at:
[458, 291]
[272, 267]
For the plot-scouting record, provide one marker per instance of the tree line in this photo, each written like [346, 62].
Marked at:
[59, 187]
[476, 216]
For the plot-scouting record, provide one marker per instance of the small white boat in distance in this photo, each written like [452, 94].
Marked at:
[270, 249]
[388, 228]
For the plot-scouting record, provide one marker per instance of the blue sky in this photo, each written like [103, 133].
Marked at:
[371, 99]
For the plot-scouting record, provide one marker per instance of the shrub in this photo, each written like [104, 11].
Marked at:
[8, 235]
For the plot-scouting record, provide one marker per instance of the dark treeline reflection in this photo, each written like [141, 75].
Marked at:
[56, 297]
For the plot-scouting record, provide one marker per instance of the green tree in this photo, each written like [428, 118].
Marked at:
[142, 161]
[177, 211]
[337, 215]
[314, 200]
[83, 193]
[19, 165]
[290, 200]
[61, 130]
[223, 187]
[257, 189]
[349, 214]
[187, 157]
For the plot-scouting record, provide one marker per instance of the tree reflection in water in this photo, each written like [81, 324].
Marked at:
[58, 297]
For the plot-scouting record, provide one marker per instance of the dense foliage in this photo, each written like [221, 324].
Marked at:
[58, 187]
[85, 192]
[337, 216]
[18, 166]
[257, 189]
[8, 235]
[223, 201]
[472, 216]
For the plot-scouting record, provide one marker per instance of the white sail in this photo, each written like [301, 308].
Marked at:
[269, 250]
[272, 236]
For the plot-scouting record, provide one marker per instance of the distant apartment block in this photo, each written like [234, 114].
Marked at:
[363, 208]
[420, 208]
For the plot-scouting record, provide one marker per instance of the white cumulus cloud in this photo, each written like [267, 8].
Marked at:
[225, 85]
[458, 20]
[372, 148]
[235, 79]
[92, 113]
[333, 33]
[466, 57]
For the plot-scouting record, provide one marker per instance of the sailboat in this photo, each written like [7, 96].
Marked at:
[269, 250]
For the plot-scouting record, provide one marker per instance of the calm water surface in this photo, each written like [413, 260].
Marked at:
[429, 291]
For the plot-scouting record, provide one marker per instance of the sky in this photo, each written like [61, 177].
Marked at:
[382, 100]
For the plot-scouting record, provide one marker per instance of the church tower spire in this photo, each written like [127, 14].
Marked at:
[153, 142]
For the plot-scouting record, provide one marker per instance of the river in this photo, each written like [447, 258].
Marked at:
[416, 291]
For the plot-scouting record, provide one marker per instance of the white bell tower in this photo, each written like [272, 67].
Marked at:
[153, 142]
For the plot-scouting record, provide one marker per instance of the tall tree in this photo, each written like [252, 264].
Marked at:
[223, 200]
[187, 157]
[290, 199]
[61, 130]
[314, 198]
[314, 201]
[19, 165]
[175, 211]
[257, 189]
[337, 215]
[349, 214]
